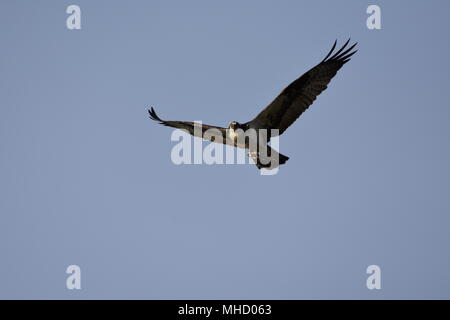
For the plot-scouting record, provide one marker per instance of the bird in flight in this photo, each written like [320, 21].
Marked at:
[278, 115]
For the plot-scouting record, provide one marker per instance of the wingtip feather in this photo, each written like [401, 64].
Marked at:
[343, 54]
[153, 115]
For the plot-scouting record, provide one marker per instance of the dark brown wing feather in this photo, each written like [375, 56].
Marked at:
[301, 93]
[214, 132]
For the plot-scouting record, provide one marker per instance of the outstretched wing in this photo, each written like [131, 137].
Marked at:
[211, 133]
[300, 94]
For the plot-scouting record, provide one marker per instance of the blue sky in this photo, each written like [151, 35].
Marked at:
[86, 177]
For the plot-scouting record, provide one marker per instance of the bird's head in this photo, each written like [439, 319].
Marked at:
[234, 125]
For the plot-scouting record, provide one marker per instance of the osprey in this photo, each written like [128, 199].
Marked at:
[278, 115]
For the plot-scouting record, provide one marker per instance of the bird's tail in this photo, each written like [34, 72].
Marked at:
[269, 161]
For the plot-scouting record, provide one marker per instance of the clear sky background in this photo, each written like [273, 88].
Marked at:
[86, 178]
